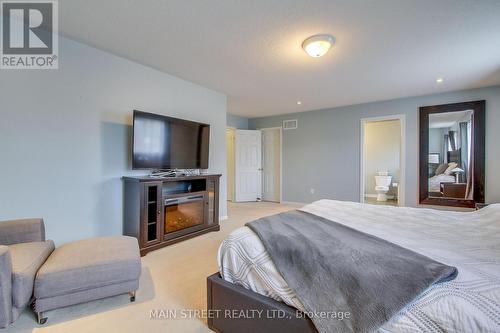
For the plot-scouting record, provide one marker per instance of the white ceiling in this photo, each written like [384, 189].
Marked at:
[251, 50]
[448, 119]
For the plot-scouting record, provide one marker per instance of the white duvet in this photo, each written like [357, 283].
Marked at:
[435, 182]
[469, 241]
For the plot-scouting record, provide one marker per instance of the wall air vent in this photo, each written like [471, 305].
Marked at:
[290, 124]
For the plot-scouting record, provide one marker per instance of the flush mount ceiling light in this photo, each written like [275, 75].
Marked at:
[299, 102]
[439, 80]
[318, 45]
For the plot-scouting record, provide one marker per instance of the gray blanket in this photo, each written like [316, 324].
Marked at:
[339, 272]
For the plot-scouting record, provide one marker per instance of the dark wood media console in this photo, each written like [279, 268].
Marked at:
[163, 211]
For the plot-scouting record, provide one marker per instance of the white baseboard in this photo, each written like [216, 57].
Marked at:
[294, 203]
[222, 218]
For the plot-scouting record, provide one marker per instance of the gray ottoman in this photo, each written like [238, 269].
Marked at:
[87, 270]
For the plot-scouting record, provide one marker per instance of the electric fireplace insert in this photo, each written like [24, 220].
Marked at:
[184, 214]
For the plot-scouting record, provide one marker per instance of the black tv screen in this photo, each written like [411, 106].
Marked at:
[161, 142]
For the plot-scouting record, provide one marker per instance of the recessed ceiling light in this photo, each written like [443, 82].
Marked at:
[299, 102]
[318, 45]
[439, 80]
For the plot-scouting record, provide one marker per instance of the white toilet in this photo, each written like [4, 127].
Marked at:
[382, 181]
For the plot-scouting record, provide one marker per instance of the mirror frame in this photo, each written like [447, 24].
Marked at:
[478, 156]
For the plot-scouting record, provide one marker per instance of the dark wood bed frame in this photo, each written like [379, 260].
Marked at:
[224, 297]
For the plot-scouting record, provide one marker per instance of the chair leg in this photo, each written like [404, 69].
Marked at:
[40, 318]
[132, 296]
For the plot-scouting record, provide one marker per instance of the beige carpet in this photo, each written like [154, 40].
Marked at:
[173, 279]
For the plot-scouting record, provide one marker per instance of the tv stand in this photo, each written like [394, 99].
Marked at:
[160, 211]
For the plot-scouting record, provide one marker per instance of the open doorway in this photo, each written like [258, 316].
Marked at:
[254, 164]
[382, 177]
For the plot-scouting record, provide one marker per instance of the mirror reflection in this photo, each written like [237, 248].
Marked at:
[450, 152]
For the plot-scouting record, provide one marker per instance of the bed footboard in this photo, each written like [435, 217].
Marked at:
[234, 309]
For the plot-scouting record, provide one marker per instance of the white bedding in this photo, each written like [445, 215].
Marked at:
[469, 241]
[435, 181]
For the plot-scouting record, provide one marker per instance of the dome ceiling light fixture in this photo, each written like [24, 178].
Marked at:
[318, 45]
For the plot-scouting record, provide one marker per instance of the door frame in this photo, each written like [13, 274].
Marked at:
[280, 156]
[402, 157]
[230, 128]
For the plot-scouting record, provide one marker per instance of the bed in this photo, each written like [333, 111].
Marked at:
[444, 176]
[436, 180]
[466, 240]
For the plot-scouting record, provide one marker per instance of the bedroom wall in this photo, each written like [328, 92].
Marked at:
[237, 121]
[323, 153]
[65, 137]
[382, 152]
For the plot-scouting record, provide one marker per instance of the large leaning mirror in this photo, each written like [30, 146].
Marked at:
[452, 141]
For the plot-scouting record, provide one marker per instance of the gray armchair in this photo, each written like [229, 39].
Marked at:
[23, 250]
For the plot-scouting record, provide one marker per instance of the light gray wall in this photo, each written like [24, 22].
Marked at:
[65, 137]
[237, 121]
[323, 153]
[436, 138]
[436, 142]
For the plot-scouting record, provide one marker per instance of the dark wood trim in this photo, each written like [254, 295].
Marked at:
[448, 202]
[479, 153]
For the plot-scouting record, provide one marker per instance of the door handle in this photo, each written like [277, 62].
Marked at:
[260, 169]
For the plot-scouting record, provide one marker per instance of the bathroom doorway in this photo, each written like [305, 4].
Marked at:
[382, 176]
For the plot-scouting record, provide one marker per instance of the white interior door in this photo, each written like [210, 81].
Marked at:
[248, 166]
[271, 160]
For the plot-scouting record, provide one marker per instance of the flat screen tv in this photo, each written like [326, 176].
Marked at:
[165, 143]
